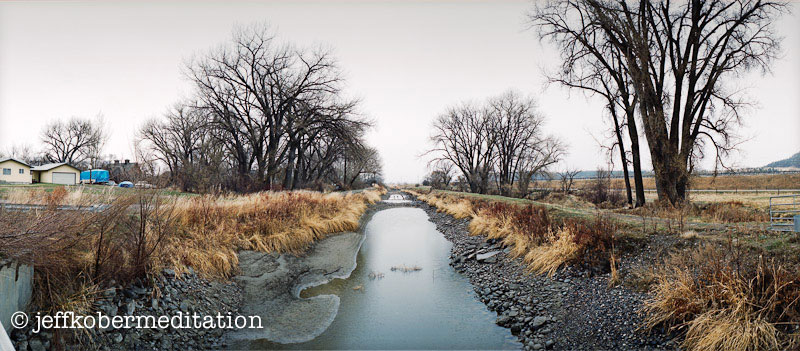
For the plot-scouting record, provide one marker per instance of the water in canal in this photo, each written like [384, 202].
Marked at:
[433, 308]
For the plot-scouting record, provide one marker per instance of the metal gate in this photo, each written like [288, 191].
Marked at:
[784, 212]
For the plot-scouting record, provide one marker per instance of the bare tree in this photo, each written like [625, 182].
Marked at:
[463, 135]
[517, 129]
[73, 141]
[592, 65]
[567, 178]
[678, 56]
[22, 152]
[522, 148]
[184, 142]
[501, 139]
[536, 160]
[273, 106]
[358, 161]
[441, 175]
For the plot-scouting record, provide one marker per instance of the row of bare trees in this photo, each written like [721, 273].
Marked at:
[263, 115]
[496, 143]
[664, 68]
[78, 141]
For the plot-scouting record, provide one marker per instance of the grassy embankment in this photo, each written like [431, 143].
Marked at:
[545, 238]
[77, 253]
[723, 292]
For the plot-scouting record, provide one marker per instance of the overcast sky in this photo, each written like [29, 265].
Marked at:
[406, 60]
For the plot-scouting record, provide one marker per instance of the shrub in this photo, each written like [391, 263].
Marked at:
[599, 192]
[593, 237]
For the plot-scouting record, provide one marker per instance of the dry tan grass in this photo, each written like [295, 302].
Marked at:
[548, 257]
[726, 303]
[73, 251]
[214, 228]
[72, 196]
[457, 207]
[528, 230]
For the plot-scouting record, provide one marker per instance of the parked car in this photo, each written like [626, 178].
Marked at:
[144, 185]
[126, 184]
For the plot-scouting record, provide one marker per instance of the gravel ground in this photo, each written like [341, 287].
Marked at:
[573, 310]
[169, 295]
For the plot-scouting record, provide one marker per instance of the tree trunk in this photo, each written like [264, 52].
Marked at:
[524, 182]
[637, 171]
[288, 174]
[622, 155]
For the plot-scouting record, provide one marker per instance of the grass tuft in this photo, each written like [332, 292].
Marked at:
[726, 301]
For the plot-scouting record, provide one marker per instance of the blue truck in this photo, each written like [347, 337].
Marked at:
[95, 176]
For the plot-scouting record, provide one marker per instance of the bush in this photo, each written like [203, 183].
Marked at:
[599, 192]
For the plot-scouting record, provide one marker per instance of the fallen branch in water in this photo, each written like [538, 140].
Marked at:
[406, 269]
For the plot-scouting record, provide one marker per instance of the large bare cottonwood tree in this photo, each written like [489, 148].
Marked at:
[73, 141]
[679, 57]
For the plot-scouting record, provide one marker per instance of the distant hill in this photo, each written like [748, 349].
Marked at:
[793, 161]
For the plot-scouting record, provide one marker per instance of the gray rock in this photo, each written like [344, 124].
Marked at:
[516, 328]
[130, 307]
[503, 320]
[539, 321]
[36, 345]
[484, 256]
[110, 309]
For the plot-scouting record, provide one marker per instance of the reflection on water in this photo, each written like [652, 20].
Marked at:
[381, 308]
[397, 199]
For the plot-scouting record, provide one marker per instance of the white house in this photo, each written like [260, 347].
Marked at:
[14, 171]
[56, 173]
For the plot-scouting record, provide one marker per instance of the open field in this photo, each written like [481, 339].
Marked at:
[32, 193]
[758, 200]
